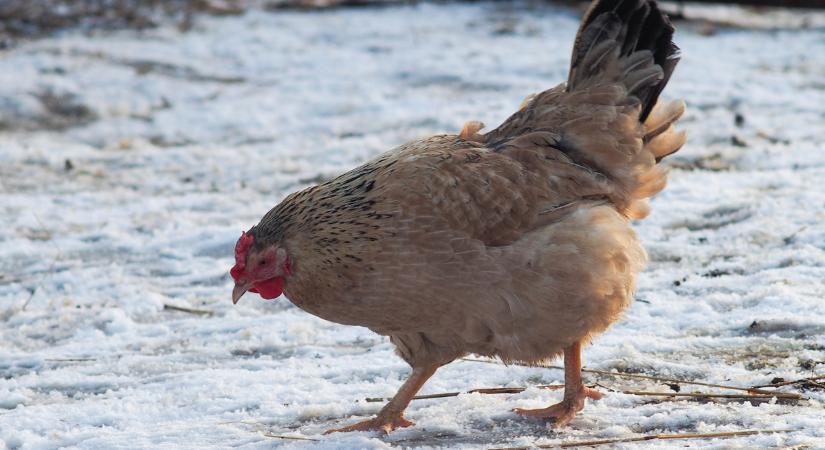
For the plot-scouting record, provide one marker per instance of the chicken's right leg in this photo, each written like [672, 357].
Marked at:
[574, 392]
[391, 415]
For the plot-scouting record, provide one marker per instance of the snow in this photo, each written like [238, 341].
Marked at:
[131, 161]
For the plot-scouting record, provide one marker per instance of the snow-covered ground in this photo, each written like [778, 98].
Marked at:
[131, 161]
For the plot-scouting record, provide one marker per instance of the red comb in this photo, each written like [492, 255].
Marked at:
[241, 248]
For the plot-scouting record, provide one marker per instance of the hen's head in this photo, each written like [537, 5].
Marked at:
[259, 268]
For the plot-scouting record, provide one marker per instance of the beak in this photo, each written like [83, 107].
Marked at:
[238, 292]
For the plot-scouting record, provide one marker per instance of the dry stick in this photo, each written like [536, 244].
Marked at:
[295, 438]
[516, 390]
[498, 390]
[819, 385]
[69, 359]
[650, 377]
[201, 312]
[785, 383]
[268, 433]
[708, 395]
[51, 266]
[650, 437]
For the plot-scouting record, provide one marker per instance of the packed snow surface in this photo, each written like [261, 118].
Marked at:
[131, 161]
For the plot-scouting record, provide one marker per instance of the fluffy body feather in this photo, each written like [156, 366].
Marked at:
[514, 244]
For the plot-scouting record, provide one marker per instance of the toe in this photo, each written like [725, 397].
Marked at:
[528, 412]
[549, 412]
[401, 422]
[593, 394]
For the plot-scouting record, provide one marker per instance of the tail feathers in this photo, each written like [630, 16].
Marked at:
[625, 41]
[607, 116]
[660, 138]
[628, 44]
[663, 117]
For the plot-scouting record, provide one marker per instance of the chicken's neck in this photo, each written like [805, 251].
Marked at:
[328, 231]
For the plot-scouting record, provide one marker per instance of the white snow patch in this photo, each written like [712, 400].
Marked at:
[195, 135]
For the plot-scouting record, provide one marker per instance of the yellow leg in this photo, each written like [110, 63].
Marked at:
[574, 392]
[391, 415]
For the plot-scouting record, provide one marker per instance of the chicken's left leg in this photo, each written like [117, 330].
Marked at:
[391, 415]
[574, 391]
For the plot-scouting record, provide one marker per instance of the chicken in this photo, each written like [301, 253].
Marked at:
[513, 244]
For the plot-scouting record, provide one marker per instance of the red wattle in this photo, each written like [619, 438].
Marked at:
[269, 289]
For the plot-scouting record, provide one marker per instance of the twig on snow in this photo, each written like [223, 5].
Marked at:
[201, 312]
[799, 381]
[650, 437]
[753, 390]
[69, 359]
[294, 438]
[750, 393]
[260, 427]
[516, 390]
[819, 385]
[782, 395]
[51, 266]
[497, 390]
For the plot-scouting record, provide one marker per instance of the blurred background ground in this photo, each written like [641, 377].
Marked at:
[134, 148]
[37, 18]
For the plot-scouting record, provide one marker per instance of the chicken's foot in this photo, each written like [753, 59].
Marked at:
[574, 392]
[391, 415]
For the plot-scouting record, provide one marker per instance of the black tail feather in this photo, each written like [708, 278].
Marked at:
[632, 25]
